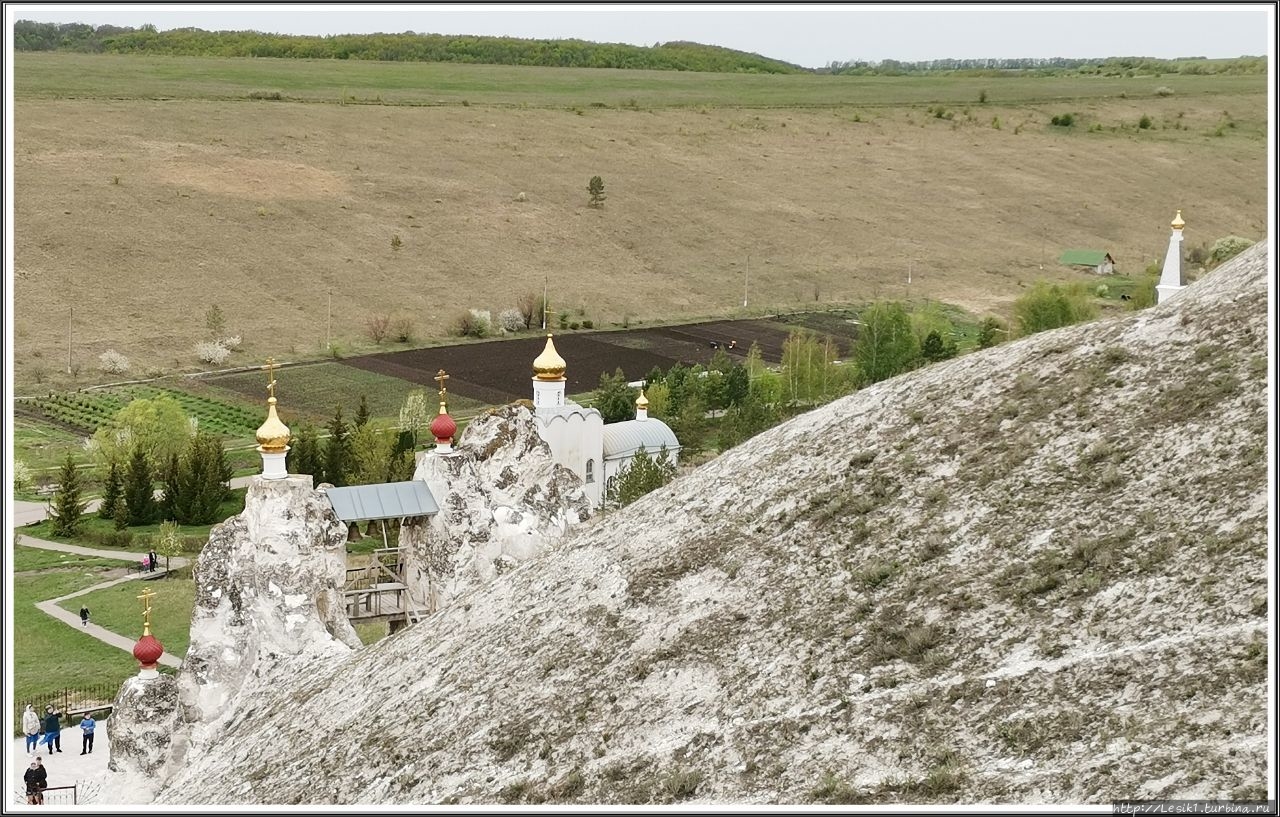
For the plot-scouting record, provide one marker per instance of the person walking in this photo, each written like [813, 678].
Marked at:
[52, 728]
[37, 780]
[152, 556]
[84, 615]
[31, 727]
[86, 728]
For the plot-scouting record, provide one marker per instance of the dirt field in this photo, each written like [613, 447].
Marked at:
[499, 371]
[141, 213]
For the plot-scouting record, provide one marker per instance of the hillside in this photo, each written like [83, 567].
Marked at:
[148, 189]
[1034, 574]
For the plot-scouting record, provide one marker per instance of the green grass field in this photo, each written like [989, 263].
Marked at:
[397, 83]
[118, 609]
[49, 655]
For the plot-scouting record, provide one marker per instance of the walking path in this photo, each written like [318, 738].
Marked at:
[51, 608]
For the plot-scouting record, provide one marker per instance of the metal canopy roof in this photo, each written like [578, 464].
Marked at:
[390, 500]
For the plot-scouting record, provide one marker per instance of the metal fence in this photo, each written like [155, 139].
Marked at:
[60, 796]
[72, 702]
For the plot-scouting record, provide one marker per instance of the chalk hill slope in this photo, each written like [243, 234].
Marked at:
[1032, 574]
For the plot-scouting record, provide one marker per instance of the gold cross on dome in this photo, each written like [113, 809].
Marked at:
[440, 378]
[271, 381]
[145, 598]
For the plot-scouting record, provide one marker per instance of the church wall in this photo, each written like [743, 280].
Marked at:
[574, 439]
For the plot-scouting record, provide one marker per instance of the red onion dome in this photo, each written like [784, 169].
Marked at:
[148, 651]
[443, 428]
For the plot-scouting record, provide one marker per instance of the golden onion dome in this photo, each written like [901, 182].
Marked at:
[642, 402]
[1178, 223]
[549, 365]
[273, 435]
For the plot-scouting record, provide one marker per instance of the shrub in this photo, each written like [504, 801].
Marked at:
[588, 325]
[272, 95]
[982, 95]
[1065, 120]
[113, 362]
[1144, 123]
[1164, 90]
[510, 320]
[595, 191]
[402, 329]
[21, 475]
[995, 123]
[212, 351]
[232, 342]
[1228, 247]
[474, 323]
[1052, 306]
[376, 327]
[396, 243]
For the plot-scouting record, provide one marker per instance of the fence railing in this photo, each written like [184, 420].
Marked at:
[72, 702]
[60, 795]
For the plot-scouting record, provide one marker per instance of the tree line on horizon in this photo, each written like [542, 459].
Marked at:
[409, 46]
[404, 47]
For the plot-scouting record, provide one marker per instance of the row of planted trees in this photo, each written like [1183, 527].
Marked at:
[720, 405]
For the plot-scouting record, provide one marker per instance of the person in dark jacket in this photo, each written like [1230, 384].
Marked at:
[84, 615]
[151, 557]
[37, 780]
[52, 728]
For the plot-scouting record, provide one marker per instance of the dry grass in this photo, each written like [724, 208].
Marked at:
[263, 207]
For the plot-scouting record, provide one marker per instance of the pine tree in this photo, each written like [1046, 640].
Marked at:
[304, 455]
[139, 494]
[68, 505]
[111, 489]
[121, 519]
[595, 189]
[642, 475]
[171, 496]
[362, 413]
[203, 475]
[337, 452]
[614, 399]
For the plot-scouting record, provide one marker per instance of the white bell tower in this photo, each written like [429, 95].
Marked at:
[1171, 275]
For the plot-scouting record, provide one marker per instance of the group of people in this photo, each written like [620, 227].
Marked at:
[149, 562]
[50, 725]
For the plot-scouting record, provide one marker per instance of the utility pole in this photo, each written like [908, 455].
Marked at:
[544, 303]
[328, 326]
[70, 315]
[746, 283]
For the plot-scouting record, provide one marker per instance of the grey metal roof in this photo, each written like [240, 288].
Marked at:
[390, 500]
[625, 438]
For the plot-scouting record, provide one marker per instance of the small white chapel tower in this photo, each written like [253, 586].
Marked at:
[1171, 275]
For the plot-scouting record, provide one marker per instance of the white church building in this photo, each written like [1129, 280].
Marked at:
[579, 438]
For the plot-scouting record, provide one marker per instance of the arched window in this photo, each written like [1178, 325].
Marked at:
[591, 471]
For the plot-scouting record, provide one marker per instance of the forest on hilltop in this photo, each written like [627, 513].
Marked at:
[404, 47]
[410, 46]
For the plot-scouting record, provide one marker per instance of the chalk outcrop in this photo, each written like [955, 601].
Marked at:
[139, 731]
[1032, 574]
[502, 501]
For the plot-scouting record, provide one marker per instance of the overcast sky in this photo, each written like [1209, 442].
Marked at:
[812, 36]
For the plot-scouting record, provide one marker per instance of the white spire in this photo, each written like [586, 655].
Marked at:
[1171, 275]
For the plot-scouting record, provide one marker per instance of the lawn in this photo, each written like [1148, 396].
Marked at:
[119, 610]
[49, 655]
[26, 559]
[408, 83]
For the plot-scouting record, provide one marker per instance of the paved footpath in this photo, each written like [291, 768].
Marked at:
[71, 619]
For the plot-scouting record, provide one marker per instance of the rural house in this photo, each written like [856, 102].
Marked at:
[1101, 262]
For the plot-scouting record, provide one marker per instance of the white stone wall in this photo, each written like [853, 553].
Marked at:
[575, 436]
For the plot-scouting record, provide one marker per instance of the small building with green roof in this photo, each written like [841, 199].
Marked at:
[1100, 261]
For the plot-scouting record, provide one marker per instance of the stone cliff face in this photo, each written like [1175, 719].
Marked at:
[502, 501]
[1033, 574]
